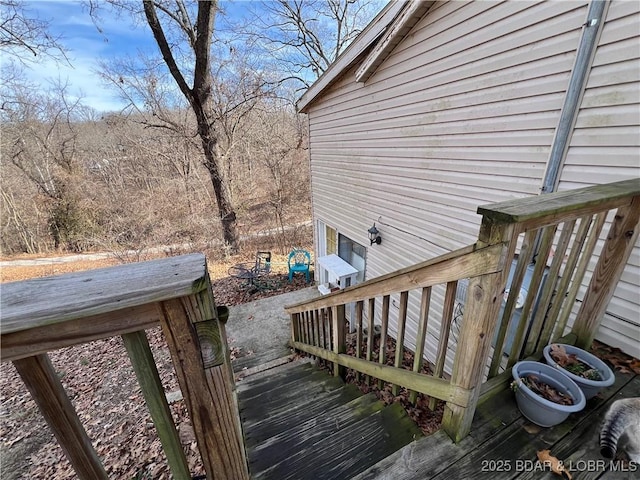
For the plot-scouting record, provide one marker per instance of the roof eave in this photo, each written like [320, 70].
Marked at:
[369, 35]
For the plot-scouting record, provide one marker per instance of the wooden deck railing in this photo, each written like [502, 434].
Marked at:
[44, 314]
[559, 232]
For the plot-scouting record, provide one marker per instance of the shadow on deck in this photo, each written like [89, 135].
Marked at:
[503, 445]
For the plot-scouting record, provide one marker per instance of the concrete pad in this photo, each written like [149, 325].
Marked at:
[262, 329]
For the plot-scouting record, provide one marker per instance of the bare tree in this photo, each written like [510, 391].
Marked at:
[21, 31]
[199, 33]
[40, 138]
[304, 37]
[184, 33]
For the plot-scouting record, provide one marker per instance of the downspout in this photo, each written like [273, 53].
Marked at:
[575, 90]
[592, 29]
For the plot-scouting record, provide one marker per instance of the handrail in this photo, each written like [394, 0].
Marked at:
[466, 262]
[44, 314]
[563, 227]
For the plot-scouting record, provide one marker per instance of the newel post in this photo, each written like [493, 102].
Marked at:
[197, 342]
[484, 296]
[620, 241]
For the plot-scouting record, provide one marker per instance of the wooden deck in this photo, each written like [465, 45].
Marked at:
[503, 445]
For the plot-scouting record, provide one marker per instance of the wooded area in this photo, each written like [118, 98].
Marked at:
[209, 147]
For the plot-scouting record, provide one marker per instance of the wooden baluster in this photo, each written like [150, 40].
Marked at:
[524, 260]
[359, 309]
[370, 330]
[326, 325]
[339, 340]
[194, 337]
[567, 274]
[295, 327]
[585, 257]
[384, 329]
[421, 336]
[445, 328]
[549, 296]
[611, 262]
[39, 376]
[312, 327]
[402, 321]
[144, 366]
[536, 279]
[318, 325]
[305, 326]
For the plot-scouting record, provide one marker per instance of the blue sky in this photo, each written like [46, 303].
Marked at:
[86, 46]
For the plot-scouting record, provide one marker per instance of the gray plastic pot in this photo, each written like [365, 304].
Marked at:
[589, 387]
[539, 410]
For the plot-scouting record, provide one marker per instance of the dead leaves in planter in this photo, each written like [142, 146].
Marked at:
[546, 391]
[571, 363]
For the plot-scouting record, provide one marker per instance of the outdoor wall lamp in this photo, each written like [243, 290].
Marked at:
[374, 235]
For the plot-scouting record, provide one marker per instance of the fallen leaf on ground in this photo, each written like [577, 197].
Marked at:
[557, 467]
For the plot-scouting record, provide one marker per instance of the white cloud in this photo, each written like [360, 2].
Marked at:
[86, 47]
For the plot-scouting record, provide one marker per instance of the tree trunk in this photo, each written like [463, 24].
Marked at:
[199, 98]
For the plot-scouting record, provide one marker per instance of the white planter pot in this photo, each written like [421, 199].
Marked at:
[539, 410]
[589, 387]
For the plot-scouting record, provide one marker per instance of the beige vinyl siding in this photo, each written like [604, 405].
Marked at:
[605, 147]
[462, 113]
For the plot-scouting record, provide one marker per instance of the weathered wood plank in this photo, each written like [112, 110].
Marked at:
[282, 445]
[426, 384]
[144, 366]
[402, 323]
[425, 303]
[524, 259]
[567, 274]
[25, 343]
[466, 262]
[483, 301]
[548, 234]
[425, 458]
[207, 390]
[611, 262]
[384, 330]
[583, 264]
[370, 327]
[540, 210]
[550, 294]
[519, 443]
[445, 330]
[339, 336]
[54, 300]
[359, 312]
[376, 436]
[39, 376]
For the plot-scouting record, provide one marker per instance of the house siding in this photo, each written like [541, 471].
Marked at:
[461, 113]
[605, 147]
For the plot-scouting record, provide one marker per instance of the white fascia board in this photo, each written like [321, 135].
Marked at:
[400, 27]
[369, 35]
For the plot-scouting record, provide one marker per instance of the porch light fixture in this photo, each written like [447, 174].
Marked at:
[374, 235]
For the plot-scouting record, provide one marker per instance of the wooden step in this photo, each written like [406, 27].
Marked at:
[300, 423]
[281, 421]
[257, 405]
[348, 451]
[282, 446]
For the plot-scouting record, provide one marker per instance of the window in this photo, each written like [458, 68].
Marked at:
[352, 253]
[331, 240]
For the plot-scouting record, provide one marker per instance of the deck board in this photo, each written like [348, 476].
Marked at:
[501, 437]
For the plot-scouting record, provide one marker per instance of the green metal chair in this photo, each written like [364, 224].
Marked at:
[299, 262]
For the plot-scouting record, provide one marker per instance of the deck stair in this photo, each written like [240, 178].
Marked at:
[301, 423]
